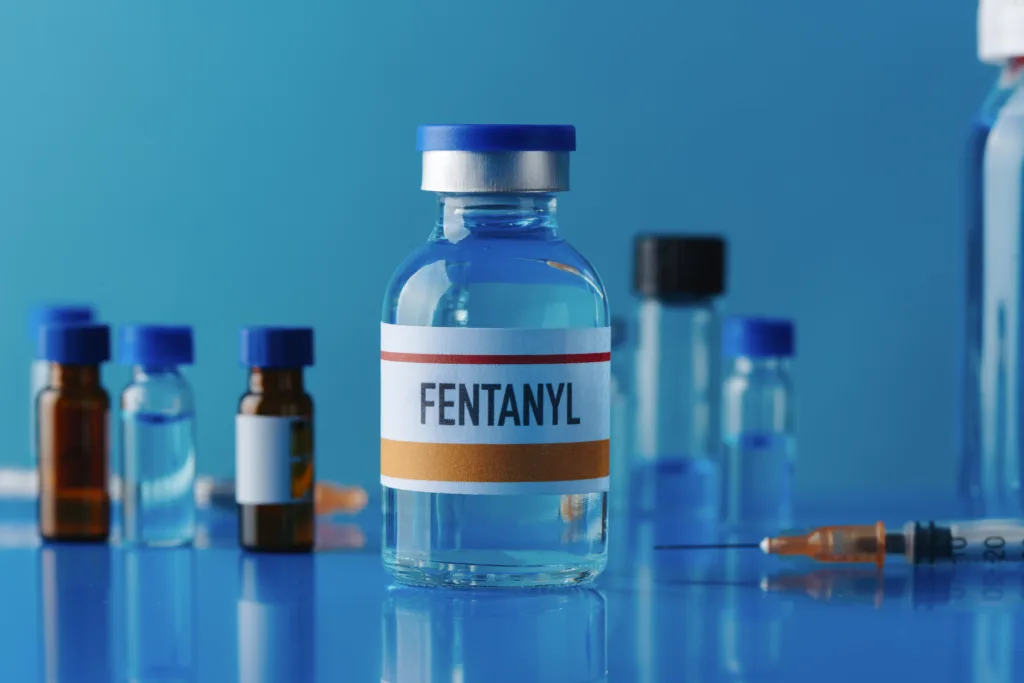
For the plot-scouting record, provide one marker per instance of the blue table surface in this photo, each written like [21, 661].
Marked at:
[212, 613]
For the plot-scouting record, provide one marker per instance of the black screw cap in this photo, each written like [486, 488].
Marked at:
[679, 266]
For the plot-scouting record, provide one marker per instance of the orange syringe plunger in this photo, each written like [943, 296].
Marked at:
[850, 544]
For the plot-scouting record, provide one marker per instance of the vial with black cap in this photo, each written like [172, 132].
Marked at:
[679, 280]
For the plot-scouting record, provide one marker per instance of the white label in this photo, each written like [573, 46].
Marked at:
[273, 460]
[500, 411]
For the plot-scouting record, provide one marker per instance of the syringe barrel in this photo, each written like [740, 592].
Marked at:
[990, 541]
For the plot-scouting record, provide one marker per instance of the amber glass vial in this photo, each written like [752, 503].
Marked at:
[73, 434]
[274, 442]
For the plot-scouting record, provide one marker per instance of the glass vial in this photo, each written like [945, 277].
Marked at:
[495, 354]
[758, 409]
[274, 442]
[677, 374]
[990, 445]
[158, 441]
[73, 412]
[39, 371]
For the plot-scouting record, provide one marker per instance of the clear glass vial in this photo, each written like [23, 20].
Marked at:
[39, 371]
[758, 423]
[158, 436]
[486, 482]
[679, 280]
[73, 434]
[274, 475]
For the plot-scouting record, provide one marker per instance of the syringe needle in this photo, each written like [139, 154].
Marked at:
[710, 546]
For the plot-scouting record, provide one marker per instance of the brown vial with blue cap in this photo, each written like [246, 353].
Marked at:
[73, 413]
[274, 442]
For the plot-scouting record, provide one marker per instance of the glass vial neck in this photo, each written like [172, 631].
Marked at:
[276, 380]
[74, 376]
[142, 373]
[460, 215]
[746, 365]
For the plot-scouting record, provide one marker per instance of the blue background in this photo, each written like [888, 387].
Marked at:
[231, 163]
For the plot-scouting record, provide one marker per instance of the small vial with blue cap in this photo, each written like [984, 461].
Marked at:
[274, 442]
[73, 414]
[495, 374]
[39, 374]
[158, 438]
[758, 423]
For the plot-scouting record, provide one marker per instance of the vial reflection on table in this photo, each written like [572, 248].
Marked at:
[160, 615]
[75, 584]
[432, 636]
[277, 619]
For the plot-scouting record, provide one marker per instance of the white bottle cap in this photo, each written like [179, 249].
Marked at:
[1000, 30]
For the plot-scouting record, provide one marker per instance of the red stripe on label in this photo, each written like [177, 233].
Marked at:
[446, 359]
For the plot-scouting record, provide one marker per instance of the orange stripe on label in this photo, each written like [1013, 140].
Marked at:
[494, 462]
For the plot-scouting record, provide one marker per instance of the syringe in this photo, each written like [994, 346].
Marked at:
[989, 540]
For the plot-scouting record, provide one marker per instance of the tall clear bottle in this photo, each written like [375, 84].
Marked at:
[158, 441]
[758, 425]
[992, 449]
[677, 374]
[495, 354]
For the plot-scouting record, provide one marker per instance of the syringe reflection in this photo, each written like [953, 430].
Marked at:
[986, 602]
[965, 587]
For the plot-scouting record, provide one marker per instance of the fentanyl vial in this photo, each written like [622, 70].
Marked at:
[677, 378]
[495, 351]
[758, 430]
[73, 413]
[274, 442]
[158, 441]
[39, 371]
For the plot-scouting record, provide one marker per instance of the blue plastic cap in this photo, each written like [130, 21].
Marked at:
[276, 347]
[58, 314]
[486, 137]
[74, 344]
[155, 345]
[759, 338]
